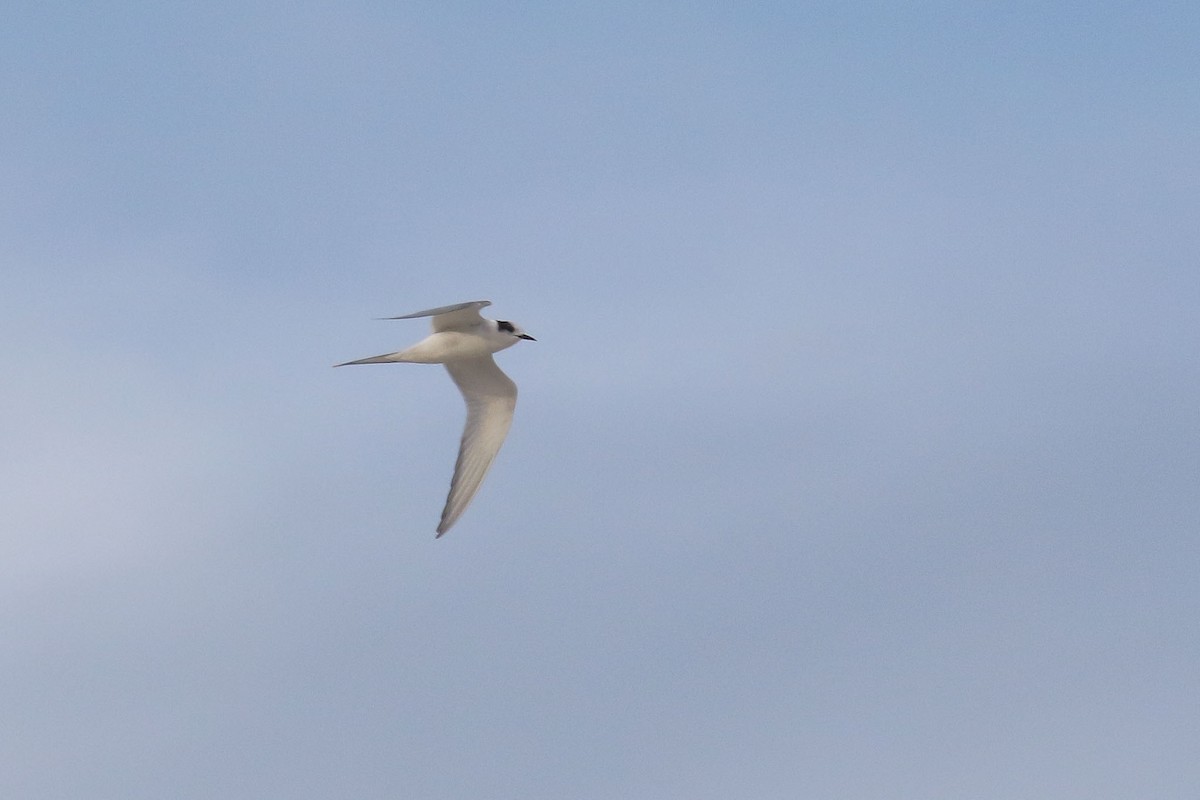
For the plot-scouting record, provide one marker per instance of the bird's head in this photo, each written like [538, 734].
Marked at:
[504, 326]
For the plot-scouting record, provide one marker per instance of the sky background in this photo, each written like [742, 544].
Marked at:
[858, 455]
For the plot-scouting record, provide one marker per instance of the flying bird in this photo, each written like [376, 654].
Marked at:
[463, 342]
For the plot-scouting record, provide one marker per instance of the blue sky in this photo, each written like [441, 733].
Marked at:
[857, 455]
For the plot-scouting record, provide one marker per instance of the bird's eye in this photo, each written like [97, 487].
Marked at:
[505, 326]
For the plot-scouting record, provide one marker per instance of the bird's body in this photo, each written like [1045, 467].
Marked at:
[464, 342]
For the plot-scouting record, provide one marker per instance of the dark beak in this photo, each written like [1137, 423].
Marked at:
[526, 336]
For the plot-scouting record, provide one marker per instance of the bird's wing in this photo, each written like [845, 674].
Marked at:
[449, 318]
[491, 398]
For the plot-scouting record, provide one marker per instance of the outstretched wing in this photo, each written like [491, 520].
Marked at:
[449, 318]
[491, 398]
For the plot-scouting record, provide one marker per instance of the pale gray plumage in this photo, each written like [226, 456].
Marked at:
[463, 341]
[491, 399]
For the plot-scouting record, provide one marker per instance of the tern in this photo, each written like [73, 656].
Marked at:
[463, 342]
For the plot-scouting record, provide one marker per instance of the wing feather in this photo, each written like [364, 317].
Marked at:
[491, 398]
[455, 317]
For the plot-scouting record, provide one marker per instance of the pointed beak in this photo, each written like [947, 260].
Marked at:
[526, 336]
